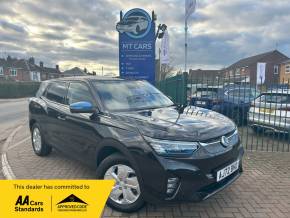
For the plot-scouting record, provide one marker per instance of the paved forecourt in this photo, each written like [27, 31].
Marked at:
[262, 191]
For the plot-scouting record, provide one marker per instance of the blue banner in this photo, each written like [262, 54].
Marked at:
[137, 46]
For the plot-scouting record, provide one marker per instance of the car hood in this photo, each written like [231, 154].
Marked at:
[194, 124]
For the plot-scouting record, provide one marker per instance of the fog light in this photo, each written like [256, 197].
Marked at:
[172, 184]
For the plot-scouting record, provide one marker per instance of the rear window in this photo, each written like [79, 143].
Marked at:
[56, 92]
[204, 94]
[274, 98]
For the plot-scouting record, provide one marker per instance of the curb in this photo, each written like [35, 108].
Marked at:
[6, 168]
[13, 99]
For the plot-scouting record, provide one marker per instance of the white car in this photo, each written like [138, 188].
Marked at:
[271, 111]
[132, 24]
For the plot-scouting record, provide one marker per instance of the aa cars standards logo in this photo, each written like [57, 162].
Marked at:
[136, 23]
[71, 204]
[25, 204]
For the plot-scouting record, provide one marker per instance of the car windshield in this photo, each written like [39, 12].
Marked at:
[273, 98]
[124, 95]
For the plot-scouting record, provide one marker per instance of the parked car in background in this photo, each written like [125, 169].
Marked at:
[207, 96]
[271, 111]
[232, 100]
[130, 132]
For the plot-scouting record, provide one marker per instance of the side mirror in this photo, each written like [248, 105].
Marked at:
[82, 107]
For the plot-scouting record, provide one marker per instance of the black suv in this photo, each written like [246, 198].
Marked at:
[132, 133]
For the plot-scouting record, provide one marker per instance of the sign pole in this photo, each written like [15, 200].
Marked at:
[185, 45]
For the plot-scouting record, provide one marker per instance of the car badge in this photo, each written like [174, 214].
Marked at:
[225, 141]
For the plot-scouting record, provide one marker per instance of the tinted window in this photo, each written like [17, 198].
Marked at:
[130, 95]
[56, 92]
[78, 92]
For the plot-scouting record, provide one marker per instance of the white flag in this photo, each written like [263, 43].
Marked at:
[189, 7]
[164, 56]
[261, 69]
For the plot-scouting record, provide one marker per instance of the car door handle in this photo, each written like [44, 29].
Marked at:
[61, 117]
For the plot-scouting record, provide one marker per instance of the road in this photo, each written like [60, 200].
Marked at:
[12, 112]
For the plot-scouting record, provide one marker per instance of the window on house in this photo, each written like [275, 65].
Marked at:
[276, 69]
[238, 72]
[13, 72]
[287, 68]
[1, 71]
[35, 76]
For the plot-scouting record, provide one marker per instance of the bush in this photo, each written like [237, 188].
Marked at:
[18, 89]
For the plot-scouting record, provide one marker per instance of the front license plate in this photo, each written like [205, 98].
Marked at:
[201, 102]
[228, 170]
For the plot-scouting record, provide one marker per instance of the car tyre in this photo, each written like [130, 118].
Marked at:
[40, 147]
[118, 168]
[257, 130]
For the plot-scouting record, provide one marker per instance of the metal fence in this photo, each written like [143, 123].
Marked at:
[175, 88]
[261, 111]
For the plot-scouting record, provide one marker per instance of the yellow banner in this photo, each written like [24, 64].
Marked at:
[53, 198]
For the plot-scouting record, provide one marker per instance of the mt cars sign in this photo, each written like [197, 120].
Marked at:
[137, 45]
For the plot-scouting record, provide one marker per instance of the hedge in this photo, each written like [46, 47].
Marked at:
[18, 89]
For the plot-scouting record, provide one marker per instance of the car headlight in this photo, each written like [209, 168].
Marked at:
[172, 148]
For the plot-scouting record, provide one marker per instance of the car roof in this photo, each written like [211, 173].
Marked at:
[86, 78]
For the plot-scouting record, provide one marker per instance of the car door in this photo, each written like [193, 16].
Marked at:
[81, 133]
[56, 110]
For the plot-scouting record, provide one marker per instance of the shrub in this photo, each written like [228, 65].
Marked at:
[18, 89]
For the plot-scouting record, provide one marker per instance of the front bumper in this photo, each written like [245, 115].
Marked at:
[196, 177]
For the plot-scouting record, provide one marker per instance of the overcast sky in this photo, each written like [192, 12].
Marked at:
[82, 32]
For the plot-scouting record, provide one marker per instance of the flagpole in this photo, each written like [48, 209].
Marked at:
[185, 38]
[185, 45]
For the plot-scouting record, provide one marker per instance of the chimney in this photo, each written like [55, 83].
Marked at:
[41, 64]
[31, 60]
[57, 67]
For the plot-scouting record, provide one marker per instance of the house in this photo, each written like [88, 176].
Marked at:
[204, 75]
[49, 72]
[247, 67]
[14, 69]
[285, 72]
[74, 72]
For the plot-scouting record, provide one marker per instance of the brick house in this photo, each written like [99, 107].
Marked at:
[13, 69]
[204, 75]
[247, 67]
[285, 72]
[76, 71]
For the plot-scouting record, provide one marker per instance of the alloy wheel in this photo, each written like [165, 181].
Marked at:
[126, 190]
[36, 137]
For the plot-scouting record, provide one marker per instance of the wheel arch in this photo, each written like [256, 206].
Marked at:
[110, 146]
[31, 123]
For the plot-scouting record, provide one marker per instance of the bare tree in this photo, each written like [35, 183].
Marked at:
[166, 71]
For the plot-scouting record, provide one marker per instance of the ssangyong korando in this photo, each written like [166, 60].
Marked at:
[132, 133]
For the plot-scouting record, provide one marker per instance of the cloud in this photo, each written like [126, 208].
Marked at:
[82, 32]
